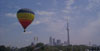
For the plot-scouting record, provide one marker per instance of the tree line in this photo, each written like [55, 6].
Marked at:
[44, 47]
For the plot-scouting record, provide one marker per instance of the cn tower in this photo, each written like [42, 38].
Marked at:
[68, 37]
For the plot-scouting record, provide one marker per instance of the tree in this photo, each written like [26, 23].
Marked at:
[39, 47]
[2, 48]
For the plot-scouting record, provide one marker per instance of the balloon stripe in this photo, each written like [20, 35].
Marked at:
[26, 16]
[25, 11]
[25, 23]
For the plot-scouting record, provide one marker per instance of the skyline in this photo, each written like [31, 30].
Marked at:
[50, 20]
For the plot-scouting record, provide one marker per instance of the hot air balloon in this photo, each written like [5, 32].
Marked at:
[25, 17]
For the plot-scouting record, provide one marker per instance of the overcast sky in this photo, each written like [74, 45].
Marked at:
[50, 20]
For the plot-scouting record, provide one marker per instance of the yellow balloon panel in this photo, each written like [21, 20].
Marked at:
[25, 16]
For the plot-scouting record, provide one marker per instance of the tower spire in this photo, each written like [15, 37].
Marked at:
[68, 37]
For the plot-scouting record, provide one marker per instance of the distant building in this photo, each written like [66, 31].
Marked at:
[65, 43]
[58, 42]
[32, 44]
[51, 41]
[54, 42]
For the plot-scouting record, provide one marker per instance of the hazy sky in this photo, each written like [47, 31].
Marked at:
[50, 20]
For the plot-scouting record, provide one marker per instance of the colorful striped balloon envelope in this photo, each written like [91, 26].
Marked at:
[25, 17]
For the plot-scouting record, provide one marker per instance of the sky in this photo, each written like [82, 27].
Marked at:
[50, 20]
